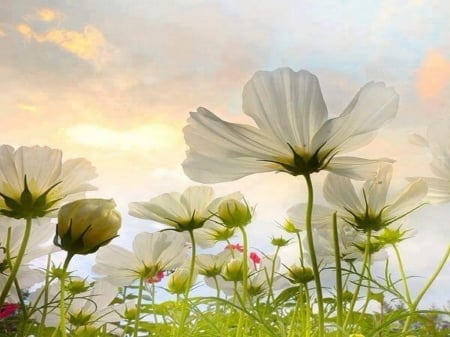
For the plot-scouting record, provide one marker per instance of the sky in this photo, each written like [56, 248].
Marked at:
[114, 81]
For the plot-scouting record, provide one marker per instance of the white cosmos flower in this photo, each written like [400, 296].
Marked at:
[293, 133]
[34, 181]
[187, 211]
[152, 253]
[370, 210]
[39, 244]
[438, 135]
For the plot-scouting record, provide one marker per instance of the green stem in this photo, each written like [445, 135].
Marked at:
[361, 277]
[138, 306]
[17, 263]
[62, 308]
[244, 279]
[300, 248]
[403, 275]
[298, 303]
[337, 261]
[426, 287]
[312, 253]
[184, 313]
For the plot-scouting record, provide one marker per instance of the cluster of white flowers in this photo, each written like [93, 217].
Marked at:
[293, 135]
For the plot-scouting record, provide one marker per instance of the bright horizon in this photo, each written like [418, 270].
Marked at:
[114, 82]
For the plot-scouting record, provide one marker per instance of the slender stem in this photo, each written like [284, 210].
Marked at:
[244, 265]
[337, 261]
[300, 248]
[138, 306]
[361, 277]
[427, 286]
[294, 319]
[62, 308]
[17, 263]
[312, 253]
[244, 279]
[184, 313]
[403, 275]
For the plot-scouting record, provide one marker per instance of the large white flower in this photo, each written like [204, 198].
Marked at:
[293, 132]
[370, 210]
[34, 181]
[152, 254]
[438, 135]
[187, 211]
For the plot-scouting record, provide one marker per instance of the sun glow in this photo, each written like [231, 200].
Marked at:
[150, 136]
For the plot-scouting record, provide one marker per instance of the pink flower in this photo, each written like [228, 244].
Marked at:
[255, 258]
[238, 247]
[8, 309]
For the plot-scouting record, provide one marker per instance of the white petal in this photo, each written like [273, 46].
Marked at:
[210, 135]
[41, 165]
[210, 170]
[164, 208]
[411, 197]
[438, 190]
[340, 191]
[196, 199]
[372, 107]
[321, 216]
[8, 172]
[376, 189]
[287, 104]
[75, 173]
[356, 168]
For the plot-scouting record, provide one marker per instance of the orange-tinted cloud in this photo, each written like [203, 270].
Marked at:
[47, 14]
[88, 45]
[2, 33]
[433, 75]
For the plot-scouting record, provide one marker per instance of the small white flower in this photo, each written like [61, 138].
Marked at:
[370, 210]
[185, 212]
[293, 133]
[152, 253]
[34, 181]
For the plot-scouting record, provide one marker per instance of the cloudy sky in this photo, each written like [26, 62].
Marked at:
[114, 81]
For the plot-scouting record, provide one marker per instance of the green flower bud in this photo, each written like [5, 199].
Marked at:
[178, 281]
[78, 286]
[392, 236]
[299, 274]
[87, 224]
[289, 227]
[279, 242]
[233, 270]
[234, 213]
[80, 318]
[86, 331]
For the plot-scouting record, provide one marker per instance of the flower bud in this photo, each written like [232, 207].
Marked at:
[234, 270]
[86, 331]
[87, 224]
[279, 241]
[289, 227]
[178, 281]
[299, 274]
[234, 213]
